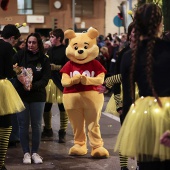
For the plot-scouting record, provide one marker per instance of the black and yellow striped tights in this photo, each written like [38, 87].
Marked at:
[48, 115]
[4, 139]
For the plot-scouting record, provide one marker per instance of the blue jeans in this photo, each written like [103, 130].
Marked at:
[34, 113]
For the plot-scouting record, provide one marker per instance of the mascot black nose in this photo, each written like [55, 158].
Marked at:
[80, 51]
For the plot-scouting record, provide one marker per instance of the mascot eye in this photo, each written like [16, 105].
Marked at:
[76, 48]
[85, 47]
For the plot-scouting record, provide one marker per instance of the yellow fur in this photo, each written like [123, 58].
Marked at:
[84, 108]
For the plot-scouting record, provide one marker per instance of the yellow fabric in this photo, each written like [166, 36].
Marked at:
[54, 94]
[111, 106]
[87, 111]
[143, 126]
[10, 100]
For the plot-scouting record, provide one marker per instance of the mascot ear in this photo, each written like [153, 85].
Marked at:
[69, 34]
[92, 33]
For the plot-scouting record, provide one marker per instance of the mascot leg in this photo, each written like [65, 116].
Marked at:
[92, 114]
[76, 118]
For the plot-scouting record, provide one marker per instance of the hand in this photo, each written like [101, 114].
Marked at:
[101, 89]
[165, 138]
[83, 80]
[120, 112]
[76, 79]
[21, 78]
[55, 67]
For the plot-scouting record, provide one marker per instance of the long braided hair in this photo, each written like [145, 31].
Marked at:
[147, 19]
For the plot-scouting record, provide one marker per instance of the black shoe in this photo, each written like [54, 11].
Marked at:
[62, 136]
[124, 168]
[3, 168]
[47, 133]
[12, 144]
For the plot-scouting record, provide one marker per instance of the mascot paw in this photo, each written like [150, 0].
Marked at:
[100, 152]
[76, 79]
[78, 150]
[83, 80]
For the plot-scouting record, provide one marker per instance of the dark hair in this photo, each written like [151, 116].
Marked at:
[130, 28]
[4, 4]
[149, 28]
[19, 42]
[58, 33]
[9, 31]
[39, 41]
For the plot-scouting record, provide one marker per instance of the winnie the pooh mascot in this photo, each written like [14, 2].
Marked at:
[80, 78]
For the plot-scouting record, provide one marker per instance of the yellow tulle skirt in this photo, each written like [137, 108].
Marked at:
[111, 106]
[143, 126]
[10, 100]
[53, 93]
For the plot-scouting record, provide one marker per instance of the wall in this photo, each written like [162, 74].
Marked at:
[64, 16]
[111, 11]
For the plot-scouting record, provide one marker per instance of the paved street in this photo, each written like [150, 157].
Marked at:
[55, 155]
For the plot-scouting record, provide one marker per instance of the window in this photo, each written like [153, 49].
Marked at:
[84, 8]
[33, 7]
[24, 7]
[41, 7]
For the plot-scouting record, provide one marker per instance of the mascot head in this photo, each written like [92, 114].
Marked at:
[82, 47]
[4, 4]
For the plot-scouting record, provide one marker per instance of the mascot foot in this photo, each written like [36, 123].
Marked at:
[78, 150]
[100, 152]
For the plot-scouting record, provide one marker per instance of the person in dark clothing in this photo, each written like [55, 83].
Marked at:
[33, 96]
[58, 59]
[147, 118]
[10, 100]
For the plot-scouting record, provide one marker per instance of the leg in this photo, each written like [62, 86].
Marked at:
[77, 121]
[24, 120]
[36, 114]
[5, 130]
[123, 159]
[63, 123]
[47, 132]
[14, 137]
[92, 114]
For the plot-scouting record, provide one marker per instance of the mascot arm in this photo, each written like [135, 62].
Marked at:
[67, 81]
[98, 80]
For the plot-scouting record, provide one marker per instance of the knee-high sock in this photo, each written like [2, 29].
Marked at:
[123, 160]
[63, 120]
[4, 139]
[47, 119]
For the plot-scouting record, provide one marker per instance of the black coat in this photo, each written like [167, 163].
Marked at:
[40, 65]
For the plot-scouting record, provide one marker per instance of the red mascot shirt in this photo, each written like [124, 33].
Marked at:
[90, 69]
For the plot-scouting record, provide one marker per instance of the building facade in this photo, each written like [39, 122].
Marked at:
[44, 15]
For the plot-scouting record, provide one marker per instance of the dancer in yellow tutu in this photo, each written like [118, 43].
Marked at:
[147, 117]
[114, 105]
[10, 100]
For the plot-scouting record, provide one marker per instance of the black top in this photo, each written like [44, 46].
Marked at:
[6, 64]
[40, 65]
[57, 56]
[161, 72]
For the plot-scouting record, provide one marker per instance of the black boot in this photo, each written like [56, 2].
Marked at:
[3, 168]
[124, 168]
[47, 133]
[62, 136]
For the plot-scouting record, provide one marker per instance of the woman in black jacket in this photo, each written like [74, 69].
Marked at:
[33, 96]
